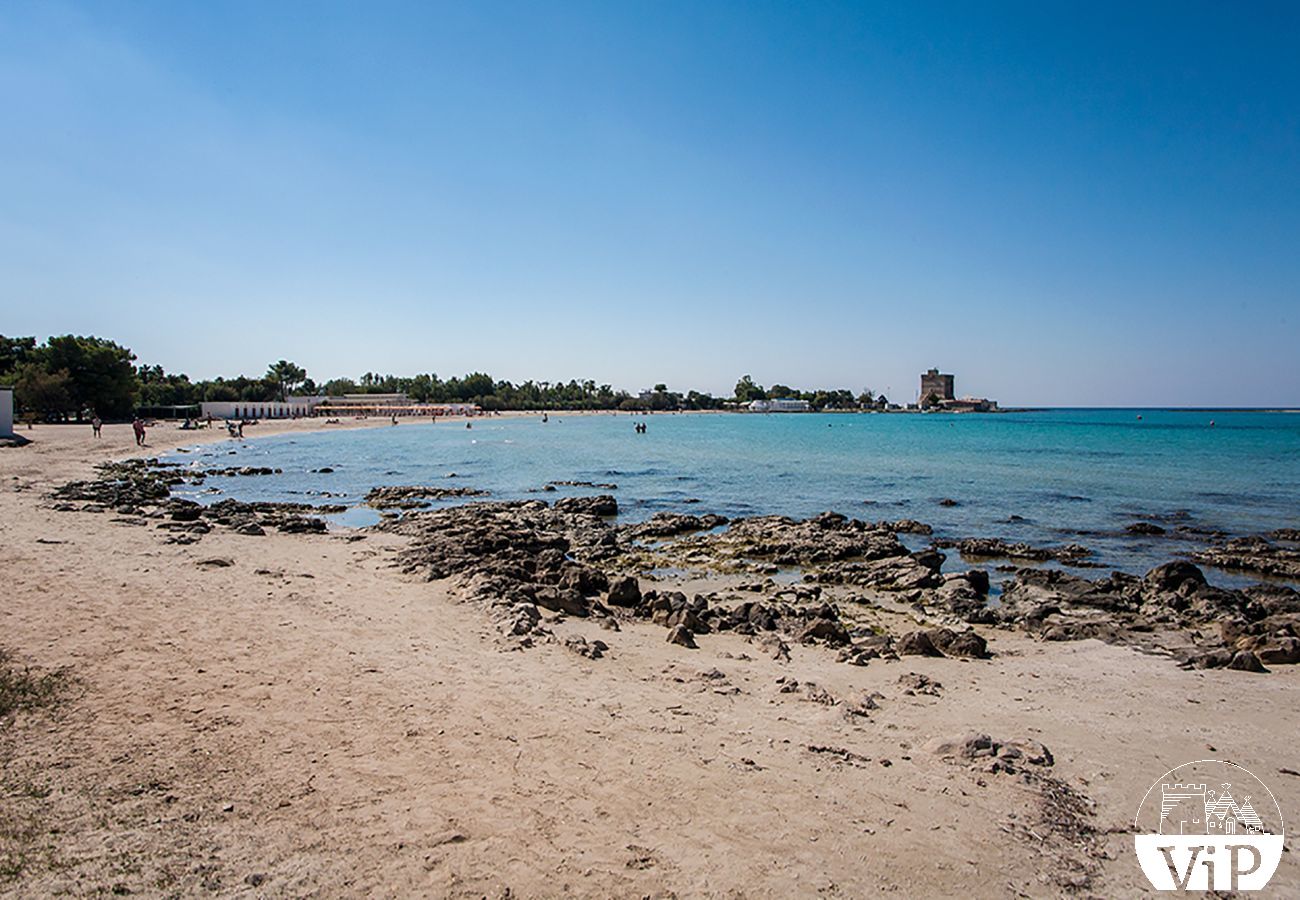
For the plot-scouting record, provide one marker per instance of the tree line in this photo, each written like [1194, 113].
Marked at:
[72, 377]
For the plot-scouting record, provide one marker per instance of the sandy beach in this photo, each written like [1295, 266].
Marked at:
[292, 714]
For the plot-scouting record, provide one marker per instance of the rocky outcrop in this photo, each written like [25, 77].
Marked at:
[601, 505]
[140, 491]
[416, 496]
[942, 642]
[1257, 555]
[624, 592]
[996, 548]
[666, 524]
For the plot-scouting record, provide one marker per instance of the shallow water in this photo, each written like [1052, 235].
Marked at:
[1069, 475]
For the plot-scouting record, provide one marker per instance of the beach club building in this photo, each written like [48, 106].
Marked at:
[293, 408]
[350, 405]
[6, 412]
[780, 405]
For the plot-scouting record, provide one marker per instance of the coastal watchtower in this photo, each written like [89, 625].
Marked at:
[936, 383]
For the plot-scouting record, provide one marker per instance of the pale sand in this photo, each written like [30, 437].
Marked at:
[341, 729]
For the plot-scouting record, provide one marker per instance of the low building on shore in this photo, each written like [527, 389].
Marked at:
[780, 405]
[390, 405]
[293, 408]
[348, 405]
[6, 412]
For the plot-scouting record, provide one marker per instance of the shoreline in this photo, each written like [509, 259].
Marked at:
[307, 718]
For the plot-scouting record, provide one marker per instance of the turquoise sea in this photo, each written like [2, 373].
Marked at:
[1069, 475]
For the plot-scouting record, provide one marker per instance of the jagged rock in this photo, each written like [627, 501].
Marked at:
[905, 526]
[415, 496]
[184, 510]
[565, 600]
[1171, 576]
[824, 629]
[583, 647]
[996, 548]
[1253, 554]
[1246, 661]
[931, 558]
[916, 683]
[1145, 528]
[301, 525]
[862, 705]
[625, 592]
[965, 644]
[666, 524]
[684, 618]
[916, 643]
[584, 579]
[1285, 652]
[519, 619]
[682, 636]
[776, 648]
[601, 505]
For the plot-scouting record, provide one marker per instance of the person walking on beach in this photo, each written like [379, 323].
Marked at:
[138, 427]
[96, 426]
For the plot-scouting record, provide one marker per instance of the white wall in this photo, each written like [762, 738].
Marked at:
[6, 412]
[300, 406]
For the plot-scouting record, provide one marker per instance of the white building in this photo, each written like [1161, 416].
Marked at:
[781, 405]
[6, 412]
[294, 407]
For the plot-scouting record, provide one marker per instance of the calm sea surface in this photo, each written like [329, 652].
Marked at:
[1070, 475]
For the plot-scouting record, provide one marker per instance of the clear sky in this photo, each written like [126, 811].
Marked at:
[1093, 204]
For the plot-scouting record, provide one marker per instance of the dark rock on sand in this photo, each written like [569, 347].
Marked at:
[916, 683]
[624, 592]
[942, 642]
[682, 636]
[916, 643]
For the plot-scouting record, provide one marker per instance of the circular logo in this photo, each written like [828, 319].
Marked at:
[1209, 825]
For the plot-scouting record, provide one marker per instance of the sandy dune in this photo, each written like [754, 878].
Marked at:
[310, 721]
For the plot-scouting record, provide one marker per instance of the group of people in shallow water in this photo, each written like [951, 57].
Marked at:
[639, 427]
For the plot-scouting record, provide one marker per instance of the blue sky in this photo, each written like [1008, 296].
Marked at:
[1097, 205]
